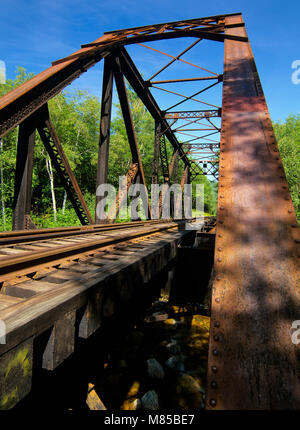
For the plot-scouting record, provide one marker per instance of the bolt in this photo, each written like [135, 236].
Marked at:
[217, 324]
[217, 300]
[218, 278]
[289, 211]
[212, 402]
[219, 235]
[219, 249]
[216, 338]
[215, 352]
[214, 369]
[213, 384]
[219, 260]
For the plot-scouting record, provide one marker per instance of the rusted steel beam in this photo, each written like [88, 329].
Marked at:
[30, 96]
[188, 97]
[128, 121]
[193, 114]
[253, 363]
[173, 163]
[106, 105]
[187, 21]
[21, 102]
[23, 174]
[209, 35]
[155, 164]
[122, 194]
[177, 58]
[136, 81]
[171, 81]
[61, 164]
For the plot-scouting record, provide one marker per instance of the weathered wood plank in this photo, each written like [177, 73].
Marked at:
[6, 301]
[61, 342]
[15, 374]
[91, 319]
[38, 313]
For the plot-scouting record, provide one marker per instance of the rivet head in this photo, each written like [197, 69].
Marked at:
[284, 187]
[214, 369]
[216, 338]
[219, 260]
[221, 221]
[219, 249]
[219, 235]
[213, 384]
[222, 208]
[217, 324]
[215, 352]
[275, 150]
[217, 300]
[287, 198]
[218, 278]
[212, 402]
[222, 185]
[297, 240]
[222, 167]
[222, 196]
[289, 211]
[294, 225]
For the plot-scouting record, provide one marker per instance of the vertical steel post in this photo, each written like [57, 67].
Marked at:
[253, 362]
[155, 165]
[106, 104]
[23, 174]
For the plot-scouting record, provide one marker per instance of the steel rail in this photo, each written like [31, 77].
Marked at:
[16, 237]
[30, 259]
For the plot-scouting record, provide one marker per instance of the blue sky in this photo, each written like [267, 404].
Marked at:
[36, 32]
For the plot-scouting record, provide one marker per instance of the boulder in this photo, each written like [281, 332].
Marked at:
[150, 401]
[154, 369]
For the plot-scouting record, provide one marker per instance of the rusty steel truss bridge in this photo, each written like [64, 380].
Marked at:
[48, 276]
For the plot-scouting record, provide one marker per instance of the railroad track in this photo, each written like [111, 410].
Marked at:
[62, 279]
[24, 253]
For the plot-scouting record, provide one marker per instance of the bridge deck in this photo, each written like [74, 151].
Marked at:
[70, 294]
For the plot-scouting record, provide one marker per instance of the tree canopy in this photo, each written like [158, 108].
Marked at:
[76, 117]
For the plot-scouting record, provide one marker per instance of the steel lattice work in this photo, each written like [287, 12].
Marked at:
[254, 295]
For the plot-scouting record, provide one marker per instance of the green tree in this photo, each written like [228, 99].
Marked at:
[288, 137]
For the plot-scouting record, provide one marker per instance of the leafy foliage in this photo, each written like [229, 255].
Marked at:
[76, 118]
[288, 137]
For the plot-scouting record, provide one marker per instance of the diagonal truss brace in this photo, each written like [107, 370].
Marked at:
[61, 164]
